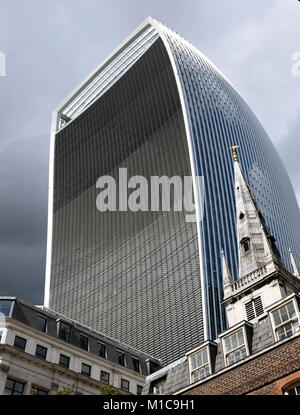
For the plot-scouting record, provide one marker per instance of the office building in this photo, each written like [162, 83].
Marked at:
[151, 279]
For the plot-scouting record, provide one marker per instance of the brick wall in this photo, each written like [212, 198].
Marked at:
[265, 374]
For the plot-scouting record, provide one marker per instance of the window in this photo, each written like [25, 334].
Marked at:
[245, 242]
[152, 366]
[158, 386]
[125, 385]
[121, 358]
[254, 308]
[235, 347]
[12, 387]
[102, 350]
[104, 377]
[136, 364]
[64, 361]
[84, 342]
[64, 331]
[41, 323]
[41, 352]
[5, 306]
[294, 390]
[20, 343]
[285, 321]
[199, 365]
[37, 391]
[86, 369]
[139, 390]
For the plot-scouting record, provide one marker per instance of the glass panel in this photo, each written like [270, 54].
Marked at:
[288, 329]
[136, 365]
[200, 373]
[13, 387]
[20, 343]
[124, 385]
[86, 369]
[84, 342]
[41, 351]
[104, 377]
[102, 350]
[234, 340]
[237, 355]
[64, 331]
[41, 323]
[64, 361]
[5, 307]
[284, 313]
[121, 358]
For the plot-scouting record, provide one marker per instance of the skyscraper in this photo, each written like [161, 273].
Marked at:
[155, 106]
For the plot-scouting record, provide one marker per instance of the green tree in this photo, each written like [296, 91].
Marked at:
[66, 390]
[108, 390]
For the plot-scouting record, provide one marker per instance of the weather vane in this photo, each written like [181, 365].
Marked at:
[234, 153]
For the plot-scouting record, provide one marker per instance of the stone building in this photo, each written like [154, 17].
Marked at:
[259, 353]
[41, 352]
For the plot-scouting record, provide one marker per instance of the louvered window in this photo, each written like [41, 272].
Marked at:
[254, 308]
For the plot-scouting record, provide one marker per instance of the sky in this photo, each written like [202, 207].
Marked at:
[52, 45]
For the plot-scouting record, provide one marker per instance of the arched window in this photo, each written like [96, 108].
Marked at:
[292, 388]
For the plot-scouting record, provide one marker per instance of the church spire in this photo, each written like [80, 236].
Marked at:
[256, 245]
[227, 279]
[294, 265]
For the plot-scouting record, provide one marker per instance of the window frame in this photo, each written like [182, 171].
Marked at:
[101, 344]
[105, 373]
[41, 357]
[40, 317]
[137, 389]
[39, 389]
[6, 308]
[64, 356]
[239, 327]
[81, 336]
[60, 322]
[89, 371]
[122, 388]
[292, 386]
[135, 359]
[290, 299]
[17, 347]
[14, 382]
[159, 381]
[120, 352]
[193, 353]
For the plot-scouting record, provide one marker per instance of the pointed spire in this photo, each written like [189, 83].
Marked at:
[294, 265]
[256, 245]
[227, 279]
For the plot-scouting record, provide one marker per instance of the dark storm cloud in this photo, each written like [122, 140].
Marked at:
[50, 46]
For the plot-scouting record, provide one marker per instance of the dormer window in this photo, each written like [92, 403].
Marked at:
[199, 365]
[285, 319]
[235, 343]
[245, 242]
[202, 361]
[157, 386]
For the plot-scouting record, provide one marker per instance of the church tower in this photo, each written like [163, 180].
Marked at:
[263, 277]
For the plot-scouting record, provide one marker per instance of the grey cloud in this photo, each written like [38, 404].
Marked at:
[51, 46]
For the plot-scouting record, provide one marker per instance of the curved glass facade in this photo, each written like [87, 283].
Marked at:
[158, 107]
[219, 118]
